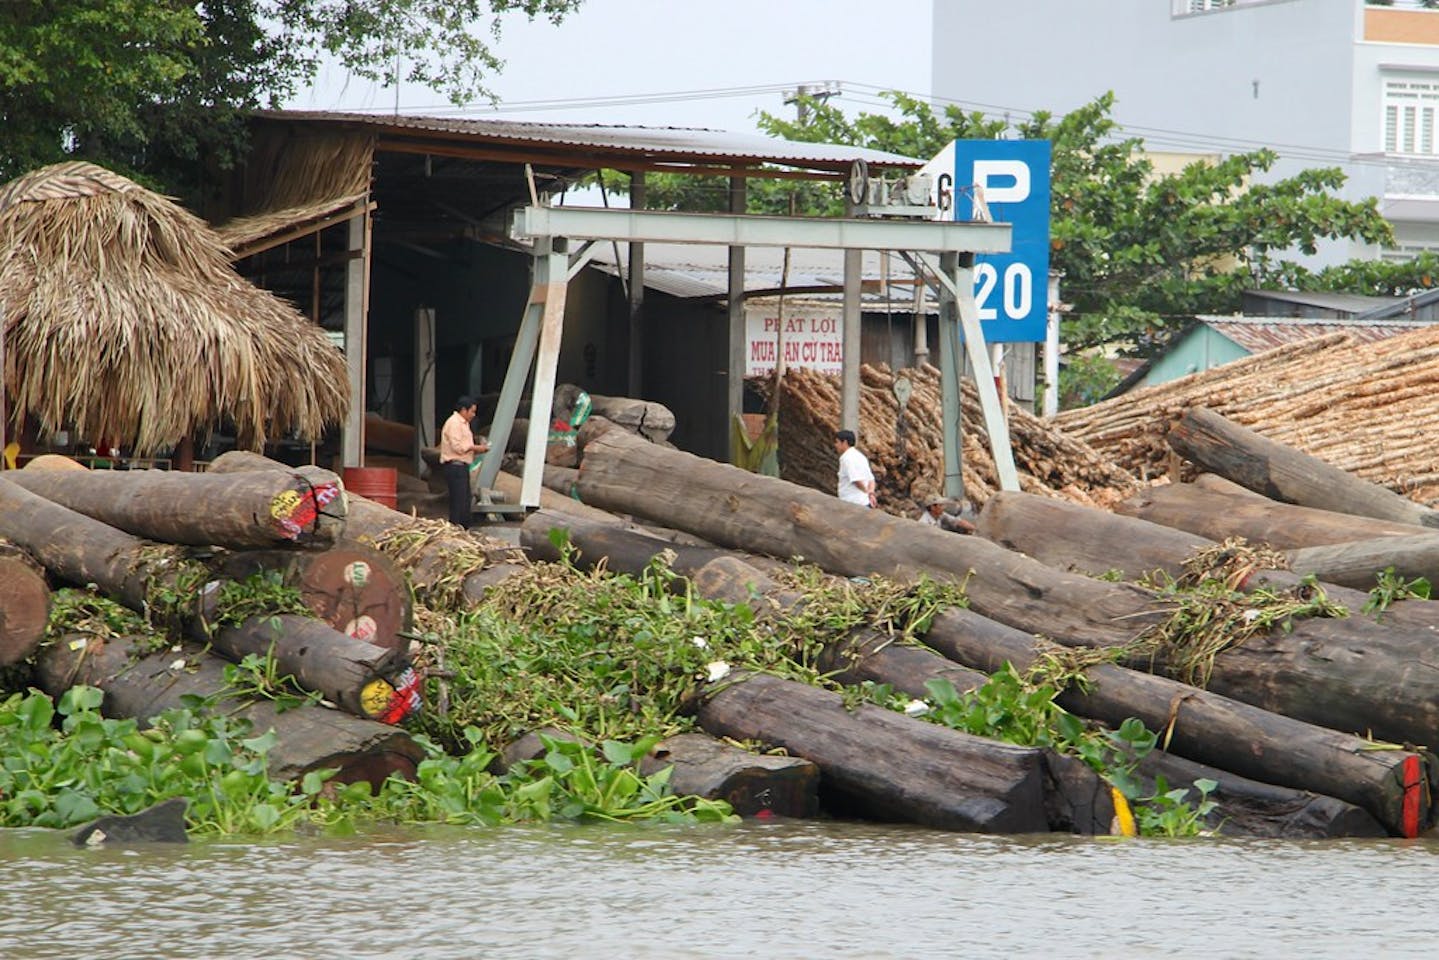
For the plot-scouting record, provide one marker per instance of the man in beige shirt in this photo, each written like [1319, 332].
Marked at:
[457, 452]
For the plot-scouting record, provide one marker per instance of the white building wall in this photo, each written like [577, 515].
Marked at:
[1293, 75]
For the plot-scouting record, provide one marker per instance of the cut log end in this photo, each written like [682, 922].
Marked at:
[24, 608]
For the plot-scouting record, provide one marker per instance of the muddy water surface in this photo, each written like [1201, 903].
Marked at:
[749, 891]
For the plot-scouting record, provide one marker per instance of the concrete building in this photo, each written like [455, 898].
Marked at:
[1322, 82]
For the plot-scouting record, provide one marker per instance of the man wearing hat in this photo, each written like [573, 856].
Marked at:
[934, 516]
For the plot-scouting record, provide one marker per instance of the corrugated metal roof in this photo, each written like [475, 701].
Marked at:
[1257, 334]
[659, 144]
[819, 274]
[1339, 302]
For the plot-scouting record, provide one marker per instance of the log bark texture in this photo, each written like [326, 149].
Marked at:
[1358, 563]
[24, 604]
[1283, 526]
[352, 587]
[1283, 473]
[1072, 537]
[1343, 674]
[887, 765]
[750, 783]
[84, 551]
[1215, 730]
[309, 737]
[370, 523]
[298, 509]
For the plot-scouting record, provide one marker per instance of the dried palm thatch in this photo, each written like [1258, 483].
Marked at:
[124, 320]
[1369, 408]
[907, 452]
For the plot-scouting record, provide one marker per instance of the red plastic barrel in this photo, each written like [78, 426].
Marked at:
[372, 483]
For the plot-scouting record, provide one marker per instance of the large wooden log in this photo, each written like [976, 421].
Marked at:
[1284, 473]
[83, 551]
[243, 511]
[628, 549]
[753, 784]
[1358, 563]
[651, 420]
[352, 587]
[1248, 808]
[1074, 798]
[1216, 730]
[142, 685]
[883, 764]
[431, 565]
[24, 604]
[1211, 729]
[1344, 674]
[1283, 526]
[1072, 537]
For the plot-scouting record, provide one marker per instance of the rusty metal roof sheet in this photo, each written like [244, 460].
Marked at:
[653, 144]
[1257, 334]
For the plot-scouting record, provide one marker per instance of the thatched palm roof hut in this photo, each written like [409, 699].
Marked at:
[123, 319]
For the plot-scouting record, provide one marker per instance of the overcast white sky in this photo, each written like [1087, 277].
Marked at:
[650, 49]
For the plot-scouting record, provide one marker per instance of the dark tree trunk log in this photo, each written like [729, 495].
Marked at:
[750, 783]
[1284, 473]
[1071, 537]
[1357, 564]
[358, 677]
[370, 522]
[1212, 729]
[887, 765]
[651, 420]
[1347, 674]
[352, 587]
[1068, 537]
[628, 549]
[1248, 808]
[243, 511]
[83, 551]
[1283, 526]
[308, 737]
[24, 604]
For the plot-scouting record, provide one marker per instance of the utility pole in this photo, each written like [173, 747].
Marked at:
[803, 94]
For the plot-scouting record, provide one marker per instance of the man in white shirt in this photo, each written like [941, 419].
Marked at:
[856, 480]
[457, 452]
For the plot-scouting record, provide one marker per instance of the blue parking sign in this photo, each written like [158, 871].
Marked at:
[1012, 177]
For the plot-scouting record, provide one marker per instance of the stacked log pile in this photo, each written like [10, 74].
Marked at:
[1367, 408]
[1342, 676]
[905, 445]
[190, 600]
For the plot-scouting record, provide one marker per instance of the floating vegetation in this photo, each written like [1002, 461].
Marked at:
[611, 656]
[1209, 617]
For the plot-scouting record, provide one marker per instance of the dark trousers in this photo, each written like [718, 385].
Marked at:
[457, 480]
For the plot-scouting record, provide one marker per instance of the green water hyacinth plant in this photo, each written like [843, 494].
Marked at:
[62, 775]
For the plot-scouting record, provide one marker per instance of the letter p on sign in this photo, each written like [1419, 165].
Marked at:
[1003, 181]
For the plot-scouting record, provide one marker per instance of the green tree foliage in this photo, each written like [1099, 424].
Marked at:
[1141, 252]
[152, 86]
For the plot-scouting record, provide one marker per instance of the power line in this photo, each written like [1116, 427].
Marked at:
[866, 95]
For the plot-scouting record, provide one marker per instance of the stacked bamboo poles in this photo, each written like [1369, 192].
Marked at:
[907, 452]
[1369, 408]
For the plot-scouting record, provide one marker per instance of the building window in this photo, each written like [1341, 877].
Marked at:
[1183, 7]
[1409, 107]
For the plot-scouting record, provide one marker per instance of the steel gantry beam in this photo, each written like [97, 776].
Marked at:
[548, 228]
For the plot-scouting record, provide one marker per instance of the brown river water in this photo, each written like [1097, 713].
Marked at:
[752, 890]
